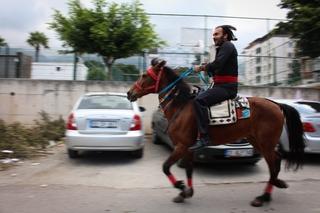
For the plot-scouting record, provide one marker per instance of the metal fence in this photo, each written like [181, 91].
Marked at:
[189, 42]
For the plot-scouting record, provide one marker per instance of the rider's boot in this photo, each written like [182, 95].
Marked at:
[201, 112]
[202, 142]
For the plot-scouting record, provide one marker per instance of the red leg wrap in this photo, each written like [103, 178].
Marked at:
[268, 188]
[190, 182]
[172, 179]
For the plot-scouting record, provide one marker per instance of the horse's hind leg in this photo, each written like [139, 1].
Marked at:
[274, 180]
[273, 159]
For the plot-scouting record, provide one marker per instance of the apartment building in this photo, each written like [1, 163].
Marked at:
[269, 60]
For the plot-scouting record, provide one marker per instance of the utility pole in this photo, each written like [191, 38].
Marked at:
[6, 63]
[205, 34]
[75, 62]
[275, 83]
[144, 63]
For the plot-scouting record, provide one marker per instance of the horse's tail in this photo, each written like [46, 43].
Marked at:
[295, 135]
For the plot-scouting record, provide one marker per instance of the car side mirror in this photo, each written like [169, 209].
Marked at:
[142, 109]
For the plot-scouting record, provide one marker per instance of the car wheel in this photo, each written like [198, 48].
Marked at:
[73, 153]
[137, 153]
[155, 138]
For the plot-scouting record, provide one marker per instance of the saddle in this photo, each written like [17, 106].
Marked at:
[229, 111]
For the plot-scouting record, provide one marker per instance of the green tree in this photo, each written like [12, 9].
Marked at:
[37, 39]
[109, 29]
[2, 42]
[303, 25]
[95, 71]
[126, 72]
[295, 76]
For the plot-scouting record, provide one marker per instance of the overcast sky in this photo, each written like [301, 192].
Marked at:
[20, 17]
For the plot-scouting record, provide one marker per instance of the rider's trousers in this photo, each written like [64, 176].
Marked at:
[207, 98]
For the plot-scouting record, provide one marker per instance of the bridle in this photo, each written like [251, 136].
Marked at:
[167, 94]
[153, 88]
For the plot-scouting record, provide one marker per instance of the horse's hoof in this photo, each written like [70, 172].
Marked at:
[281, 184]
[187, 192]
[256, 203]
[178, 199]
[259, 201]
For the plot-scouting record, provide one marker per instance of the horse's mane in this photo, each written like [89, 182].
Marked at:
[184, 89]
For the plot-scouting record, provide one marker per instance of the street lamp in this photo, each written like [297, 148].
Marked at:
[6, 62]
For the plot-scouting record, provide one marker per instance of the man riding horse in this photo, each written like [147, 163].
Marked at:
[224, 72]
[262, 130]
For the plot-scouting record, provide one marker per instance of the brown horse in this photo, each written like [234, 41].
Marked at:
[262, 129]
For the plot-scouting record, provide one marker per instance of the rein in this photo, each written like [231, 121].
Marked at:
[169, 89]
[171, 94]
[172, 84]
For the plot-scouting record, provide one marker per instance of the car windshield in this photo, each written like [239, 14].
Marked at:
[105, 102]
[307, 107]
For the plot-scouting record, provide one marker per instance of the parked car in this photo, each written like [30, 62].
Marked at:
[240, 151]
[105, 121]
[310, 116]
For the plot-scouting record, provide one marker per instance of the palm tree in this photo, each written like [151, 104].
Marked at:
[38, 39]
[2, 42]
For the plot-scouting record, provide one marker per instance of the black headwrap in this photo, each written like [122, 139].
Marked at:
[228, 30]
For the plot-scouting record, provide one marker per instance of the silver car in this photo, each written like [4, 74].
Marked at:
[238, 152]
[105, 121]
[310, 116]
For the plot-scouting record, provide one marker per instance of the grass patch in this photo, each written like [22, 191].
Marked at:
[26, 142]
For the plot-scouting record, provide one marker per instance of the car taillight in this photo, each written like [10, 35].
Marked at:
[71, 124]
[136, 124]
[308, 127]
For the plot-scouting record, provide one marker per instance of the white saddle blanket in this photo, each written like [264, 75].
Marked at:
[225, 112]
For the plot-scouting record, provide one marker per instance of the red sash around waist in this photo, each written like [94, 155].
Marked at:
[225, 79]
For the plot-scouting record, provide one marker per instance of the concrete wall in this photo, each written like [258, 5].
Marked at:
[58, 71]
[22, 99]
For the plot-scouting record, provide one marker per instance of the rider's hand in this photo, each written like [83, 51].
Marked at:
[199, 68]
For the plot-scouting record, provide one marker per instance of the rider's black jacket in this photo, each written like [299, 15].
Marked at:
[225, 65]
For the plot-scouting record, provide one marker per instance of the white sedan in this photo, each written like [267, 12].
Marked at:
[310, 116]
[105, 121]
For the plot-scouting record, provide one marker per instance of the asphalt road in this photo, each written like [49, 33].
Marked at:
[114, 182]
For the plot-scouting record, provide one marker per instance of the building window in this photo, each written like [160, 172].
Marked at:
[258, 50]
[58, 69]
[258, 70]
[258, 79]
[258, 60]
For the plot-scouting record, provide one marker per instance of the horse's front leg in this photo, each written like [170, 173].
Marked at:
[179, 152]
[187, 192]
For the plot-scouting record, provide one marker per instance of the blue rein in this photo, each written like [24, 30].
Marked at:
[172, 84]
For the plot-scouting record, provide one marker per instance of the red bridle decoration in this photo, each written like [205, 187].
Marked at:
[153, 88]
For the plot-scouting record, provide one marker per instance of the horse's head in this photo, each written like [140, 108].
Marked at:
[148, 82]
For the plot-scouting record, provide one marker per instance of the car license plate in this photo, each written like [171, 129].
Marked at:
[103, 124]
[238, 153]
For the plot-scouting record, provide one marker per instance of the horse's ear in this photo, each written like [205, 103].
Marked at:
[158, 63]
[162, 63]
